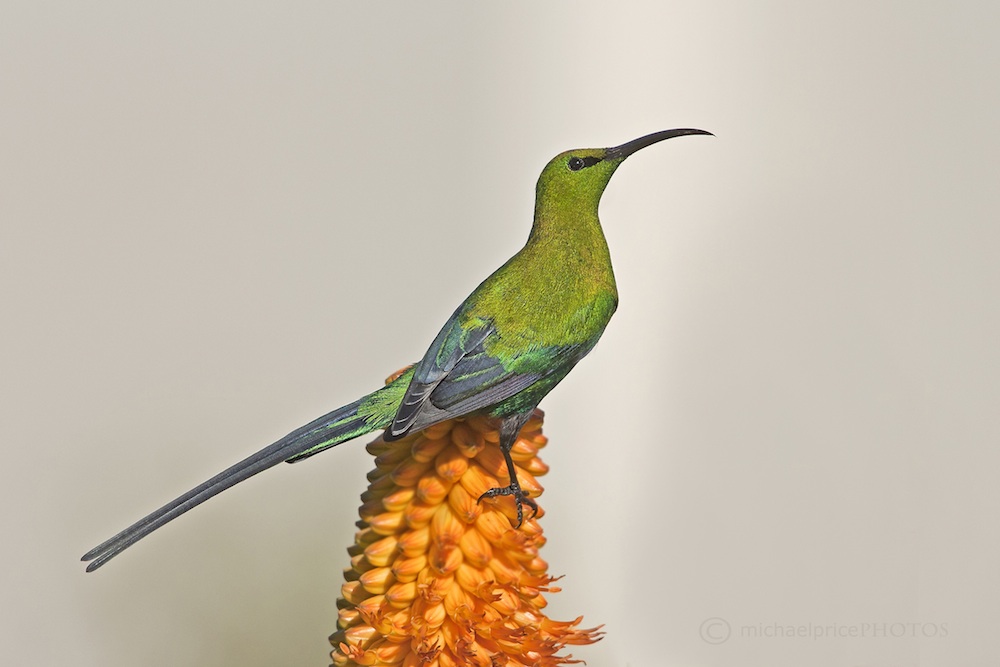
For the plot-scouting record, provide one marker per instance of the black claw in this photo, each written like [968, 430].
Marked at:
[520, 497]
[510, 426]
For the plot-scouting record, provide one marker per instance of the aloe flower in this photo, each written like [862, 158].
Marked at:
[438, 579]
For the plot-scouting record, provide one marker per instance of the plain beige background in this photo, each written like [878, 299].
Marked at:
[220, 220]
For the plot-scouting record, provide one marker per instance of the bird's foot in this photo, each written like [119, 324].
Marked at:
[520, 498]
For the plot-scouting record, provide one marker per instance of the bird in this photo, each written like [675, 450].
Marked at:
[508, 344]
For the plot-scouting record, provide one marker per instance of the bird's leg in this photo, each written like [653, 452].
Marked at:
[509, 429]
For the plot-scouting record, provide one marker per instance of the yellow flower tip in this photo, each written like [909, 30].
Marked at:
[438, 579]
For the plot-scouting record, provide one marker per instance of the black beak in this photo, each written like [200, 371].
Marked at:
[626, 149]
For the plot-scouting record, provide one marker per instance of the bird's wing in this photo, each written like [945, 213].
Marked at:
[450, 346]
[458, 376]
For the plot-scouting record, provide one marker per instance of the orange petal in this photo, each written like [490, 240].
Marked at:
[391, 653]
[465, 507]
[476, 481]
[493, 526]
[492, 461]
[472, 578]
[446, 528]
[450, 464]
[424, 449]
[439, 430]
[398, 499]
[401, 594]
[415, 542]
[444, 559]
[431, 489]
[386, 523]
[418, 515]
[467, 440]
[409, 471]
[382, 552]
[359, 634]
[378, 580]
[353, 592]
[476, 548]
[407, 569]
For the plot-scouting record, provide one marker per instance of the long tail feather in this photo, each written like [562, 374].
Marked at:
[331, 429]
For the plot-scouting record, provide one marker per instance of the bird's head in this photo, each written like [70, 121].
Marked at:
[576, 179]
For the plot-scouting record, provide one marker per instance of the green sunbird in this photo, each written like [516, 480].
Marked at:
[510, 342]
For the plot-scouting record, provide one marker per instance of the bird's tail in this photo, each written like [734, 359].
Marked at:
[365, 415]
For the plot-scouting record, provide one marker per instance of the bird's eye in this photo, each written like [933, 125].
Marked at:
[575, 164]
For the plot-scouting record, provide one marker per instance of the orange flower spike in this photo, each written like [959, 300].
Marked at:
[472, 579]
[533, 465]
[438, 579]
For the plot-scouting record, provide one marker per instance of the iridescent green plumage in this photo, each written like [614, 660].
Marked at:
[506, 346]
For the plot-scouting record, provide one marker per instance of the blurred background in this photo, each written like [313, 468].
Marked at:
[783, 451]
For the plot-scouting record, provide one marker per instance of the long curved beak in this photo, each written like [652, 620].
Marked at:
[626, 149]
